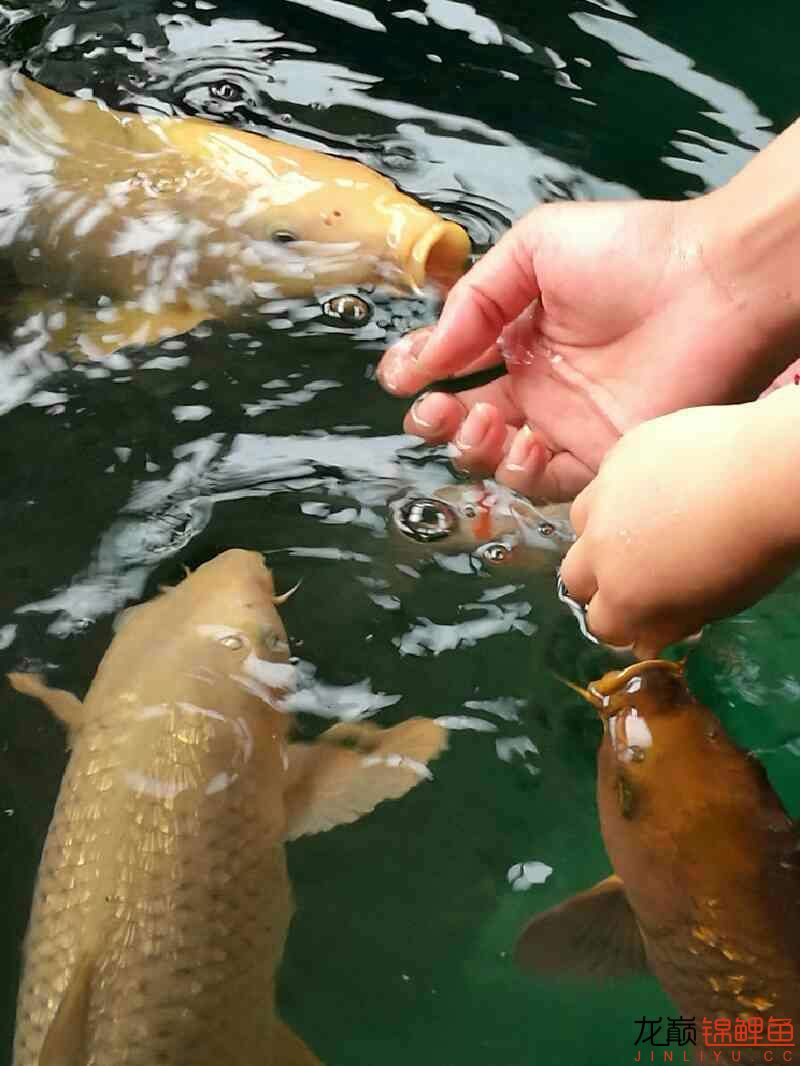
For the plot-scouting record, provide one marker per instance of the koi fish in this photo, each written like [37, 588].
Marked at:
[706, 885]
[494, 524]
[129, 228]
[163, 902]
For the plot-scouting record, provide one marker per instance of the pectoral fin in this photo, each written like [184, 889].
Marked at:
[290, 1049]
[65, 1043]
[594, 934]
[352, 768]
[66, 707]
[90, 332]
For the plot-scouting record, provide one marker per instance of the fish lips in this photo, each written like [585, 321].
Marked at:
[440, 255]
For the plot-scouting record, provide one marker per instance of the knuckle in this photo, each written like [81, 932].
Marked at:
[487, 308]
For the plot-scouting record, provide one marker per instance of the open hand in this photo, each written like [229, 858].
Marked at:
[606, 314]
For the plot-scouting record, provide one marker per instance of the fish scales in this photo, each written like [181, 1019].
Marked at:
[191, 905]
[125, 228]
[704, 853]
[706, 886]
[163, 902]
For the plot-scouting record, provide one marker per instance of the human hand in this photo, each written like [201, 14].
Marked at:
[607, 314]
[692, 517]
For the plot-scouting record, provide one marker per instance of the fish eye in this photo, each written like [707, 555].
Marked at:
[494, 553]
[232, 641]
[227, 91]
[469, 510]
[546, 529]
[283, 236]
[426, 519]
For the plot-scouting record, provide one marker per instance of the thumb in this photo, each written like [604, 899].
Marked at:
[490, 296]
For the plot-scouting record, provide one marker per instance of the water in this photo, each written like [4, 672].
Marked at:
[271, 434]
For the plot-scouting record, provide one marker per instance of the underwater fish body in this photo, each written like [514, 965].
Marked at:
[163, 902]
[498, 528]
[706, 889]
[149, 224]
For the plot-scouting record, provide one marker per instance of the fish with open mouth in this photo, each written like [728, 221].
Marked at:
[163, 902]
[127, 228]
[706, 885]
[498, 528]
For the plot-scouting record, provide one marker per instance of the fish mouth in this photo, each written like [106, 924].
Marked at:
[600, 693]
[440, 255]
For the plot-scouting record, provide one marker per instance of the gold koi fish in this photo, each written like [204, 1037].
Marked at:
[147, 225]
[163, 902]
[706, 888]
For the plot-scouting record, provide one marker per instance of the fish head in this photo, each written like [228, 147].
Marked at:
[216, 638]
[501, 530]
[646, 710]
[228, 605]
[662, 765]
[315, 221]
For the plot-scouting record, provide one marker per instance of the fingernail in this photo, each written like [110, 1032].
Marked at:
[425, 414]
[393, 368]
[388, 373]
[410, 346]
[521, 450]
[474, 427]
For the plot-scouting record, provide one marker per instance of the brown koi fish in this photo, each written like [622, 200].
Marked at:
[706, 889]
[163, 902]
[130, 228]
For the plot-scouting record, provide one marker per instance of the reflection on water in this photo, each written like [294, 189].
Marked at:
[270, 433]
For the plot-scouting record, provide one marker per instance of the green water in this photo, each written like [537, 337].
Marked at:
[273, 435]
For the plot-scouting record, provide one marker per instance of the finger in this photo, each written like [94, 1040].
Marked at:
[400, 373]
[526, 458]
[651, 640]
[608, 624]
[481, 442]
[492, 294]
[579, 512]
[577, 573]
[437, 416]
[533, 470]
[649, 647]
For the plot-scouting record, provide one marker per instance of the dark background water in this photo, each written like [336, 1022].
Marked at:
[271, 434]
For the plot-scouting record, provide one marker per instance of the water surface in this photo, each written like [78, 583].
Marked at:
[272, 434]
